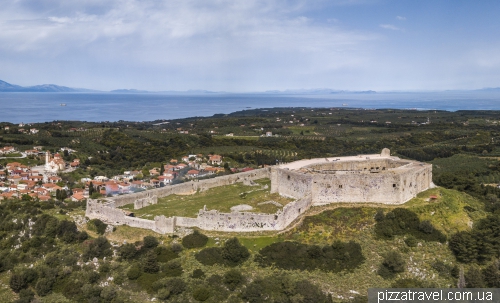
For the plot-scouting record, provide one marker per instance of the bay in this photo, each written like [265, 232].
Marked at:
[96, 107]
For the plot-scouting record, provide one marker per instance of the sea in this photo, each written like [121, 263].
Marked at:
[99, 107]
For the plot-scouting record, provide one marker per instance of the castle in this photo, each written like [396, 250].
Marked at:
[378, 178]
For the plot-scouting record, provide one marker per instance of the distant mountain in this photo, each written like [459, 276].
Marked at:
[130, 91]
[4, 86]
[317, 91]
[489, 89]
[44, 88]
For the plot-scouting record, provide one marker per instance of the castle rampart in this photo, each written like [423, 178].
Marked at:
[377, 178]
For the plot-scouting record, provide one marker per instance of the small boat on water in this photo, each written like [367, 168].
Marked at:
[63, 104]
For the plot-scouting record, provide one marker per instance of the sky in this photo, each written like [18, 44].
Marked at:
[251, 46]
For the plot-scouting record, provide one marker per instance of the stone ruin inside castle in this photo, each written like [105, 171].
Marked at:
[377, 178]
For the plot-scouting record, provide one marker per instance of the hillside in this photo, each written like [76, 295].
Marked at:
[187, 273]
[336, 252]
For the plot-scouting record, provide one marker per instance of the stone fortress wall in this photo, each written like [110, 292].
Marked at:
[376, 178]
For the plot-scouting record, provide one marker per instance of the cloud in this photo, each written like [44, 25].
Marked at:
[391, 27]
[189, 42]
[401, 18]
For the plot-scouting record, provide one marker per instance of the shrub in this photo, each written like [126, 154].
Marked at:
[93, 277]
[194, 240]
[201, 293]
[491, 275]
[293, 255]
[232, 279]
[254, 293]
[127, 251]
[163, 294]
[410, 283]
[150, 264]
[198, 274]
[134, 272]
[98, 248]
[480, 244]
[402, 221]
[210, 256]
[44, 286]
[411, 241]
[98, 226]
[108, 294]
[91, 292]
[176, 286]
[147, 281]
[164, 254]
[17, 282]
[150, 242]
[176, 247]
[426, 227]
[474, 278]
[392, 264]
[283, 289]
[442, 268]
[26, 296]
[173, 269]
[379, 216]
[234, 253]
[231, 254]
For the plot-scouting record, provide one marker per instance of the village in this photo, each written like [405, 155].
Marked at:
[44, 182]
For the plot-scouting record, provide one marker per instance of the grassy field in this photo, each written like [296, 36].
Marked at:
[452, 211]
[6, 294]
[130, 234]
[219, 198]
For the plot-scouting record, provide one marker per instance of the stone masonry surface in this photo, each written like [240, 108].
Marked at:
[377, 178]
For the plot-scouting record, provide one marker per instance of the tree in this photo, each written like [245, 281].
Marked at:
[127, 251]
[194, 240]
[91, 188]
[17, 282]
[97, 226]
[491, 275]
[474, 278]
[97, 248]
[150, 264]
[150, 242]
[162, 169]
[234, 253]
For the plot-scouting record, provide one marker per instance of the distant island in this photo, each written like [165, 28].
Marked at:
[53, 88]
[44, 88]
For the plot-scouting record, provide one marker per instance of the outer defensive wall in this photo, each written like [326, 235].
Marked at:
[377, 178]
